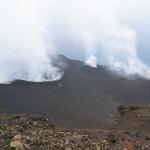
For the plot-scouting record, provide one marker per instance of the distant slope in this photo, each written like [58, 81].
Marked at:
[84, 96]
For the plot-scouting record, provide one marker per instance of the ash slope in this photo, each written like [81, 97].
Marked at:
[83, 97]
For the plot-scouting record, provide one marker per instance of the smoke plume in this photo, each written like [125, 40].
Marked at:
[24, 52]
[32, 32]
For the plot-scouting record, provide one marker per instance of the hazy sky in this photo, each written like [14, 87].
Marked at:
[109, 32]
[136, 13]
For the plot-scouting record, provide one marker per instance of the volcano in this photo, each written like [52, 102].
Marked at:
[84, 96]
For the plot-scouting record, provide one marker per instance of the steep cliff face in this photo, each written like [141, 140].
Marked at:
[83, 97]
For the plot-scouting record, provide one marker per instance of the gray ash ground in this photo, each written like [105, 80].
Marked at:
[128, 130]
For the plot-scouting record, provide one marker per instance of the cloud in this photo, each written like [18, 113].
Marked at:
[33, 31]
[23, 48]
[91, 61]
[92, 27]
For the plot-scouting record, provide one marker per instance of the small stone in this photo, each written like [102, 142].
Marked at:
[67, 142]
[98, 147]
[68, 148]
[112, 138]
[17, 137]
[35, 123]
[17, 145]
[129, 146]
[75, 138]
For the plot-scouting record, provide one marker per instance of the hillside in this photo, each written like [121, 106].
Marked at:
[84, 97]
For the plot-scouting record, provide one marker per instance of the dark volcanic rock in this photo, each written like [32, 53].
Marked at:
[85, 96]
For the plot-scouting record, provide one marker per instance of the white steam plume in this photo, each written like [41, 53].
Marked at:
[91, 61]
[92, 27]
[23, 49]
[32, 31]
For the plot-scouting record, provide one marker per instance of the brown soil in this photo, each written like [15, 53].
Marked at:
[129, 129]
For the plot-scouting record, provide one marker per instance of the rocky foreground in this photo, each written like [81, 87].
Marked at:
[128, 130]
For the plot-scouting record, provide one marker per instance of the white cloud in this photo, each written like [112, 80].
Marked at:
[33, 30]
[23, 50]
[93, 26]
[91, 61]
